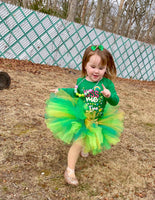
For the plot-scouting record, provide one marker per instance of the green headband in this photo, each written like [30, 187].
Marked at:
[100, 47]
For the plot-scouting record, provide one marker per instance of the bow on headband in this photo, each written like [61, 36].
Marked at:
[100, 47]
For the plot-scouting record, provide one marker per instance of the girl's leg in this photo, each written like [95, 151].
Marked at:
[73, 155]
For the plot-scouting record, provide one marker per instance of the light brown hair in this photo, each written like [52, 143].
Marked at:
[106, 59]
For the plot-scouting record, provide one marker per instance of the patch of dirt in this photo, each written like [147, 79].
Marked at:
[32, 161]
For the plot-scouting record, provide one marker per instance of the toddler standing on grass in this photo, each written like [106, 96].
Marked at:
[87, 116]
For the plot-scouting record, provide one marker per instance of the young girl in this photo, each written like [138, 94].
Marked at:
[84, 116]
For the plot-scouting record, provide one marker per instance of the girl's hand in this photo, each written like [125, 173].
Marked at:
[106, 93]
[54, 90]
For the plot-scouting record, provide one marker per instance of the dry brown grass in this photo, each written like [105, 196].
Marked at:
[32, 161]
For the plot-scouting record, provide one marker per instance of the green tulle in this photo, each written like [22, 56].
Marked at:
[68, 120]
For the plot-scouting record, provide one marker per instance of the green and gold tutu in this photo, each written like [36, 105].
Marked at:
[70, 121]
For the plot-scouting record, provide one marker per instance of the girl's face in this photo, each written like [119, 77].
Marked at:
[95, 70]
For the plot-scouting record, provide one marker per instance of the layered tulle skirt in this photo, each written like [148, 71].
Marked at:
[70, 121]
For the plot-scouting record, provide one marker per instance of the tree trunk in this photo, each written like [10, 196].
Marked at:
[143, 33]
[131, 19]
[105, 13]
[84, 11]
[54, 4]
[120, 11]
[72, 10]
[153, 35]
[25, 3]
[150, 27]
[89, 13]
[99, 6]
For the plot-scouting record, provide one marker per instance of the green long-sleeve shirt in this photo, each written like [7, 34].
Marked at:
[95, 100]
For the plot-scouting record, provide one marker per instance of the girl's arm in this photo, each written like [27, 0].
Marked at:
[70, 91]
[54, 90]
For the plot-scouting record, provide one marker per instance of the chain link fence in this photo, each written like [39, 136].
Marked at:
[45, 39]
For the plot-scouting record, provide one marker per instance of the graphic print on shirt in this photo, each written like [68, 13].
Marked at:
[94, 100]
